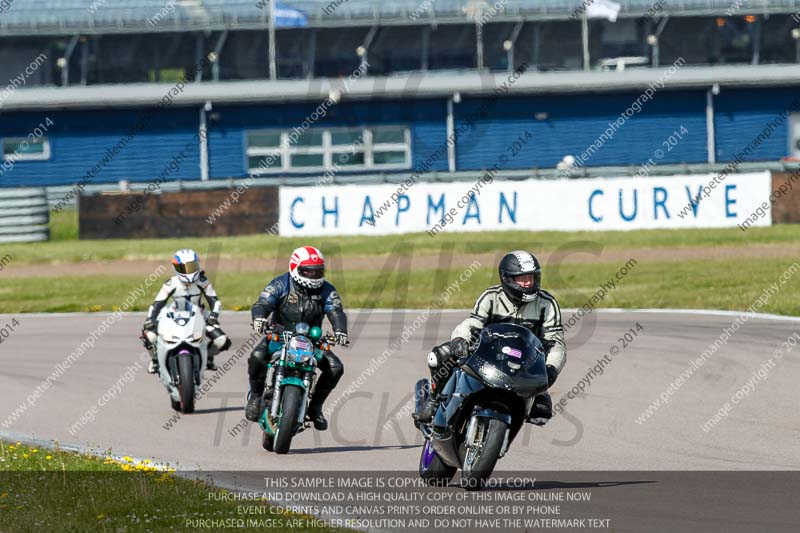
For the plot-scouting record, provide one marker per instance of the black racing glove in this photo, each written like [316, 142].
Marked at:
[452, 349]
[212, 320]
[458, 347]
[149, 325]
[552, 374]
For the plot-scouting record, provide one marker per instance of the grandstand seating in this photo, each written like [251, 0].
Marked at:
[118, 44]
[129, 15]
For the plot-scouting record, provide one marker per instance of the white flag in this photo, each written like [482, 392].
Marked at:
[603, 9]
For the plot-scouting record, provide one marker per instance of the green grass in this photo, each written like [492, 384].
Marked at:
[64, 247]
[64, 225]
[706, 284]
[55, 490]
[730, 284]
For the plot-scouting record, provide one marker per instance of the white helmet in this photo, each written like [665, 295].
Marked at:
[307, 267]
[186, 265]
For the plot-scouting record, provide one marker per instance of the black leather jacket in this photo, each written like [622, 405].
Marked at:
[289, 304]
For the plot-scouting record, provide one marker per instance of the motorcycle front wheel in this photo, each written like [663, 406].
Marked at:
[291, 397]
[481, 456]
[186, 383]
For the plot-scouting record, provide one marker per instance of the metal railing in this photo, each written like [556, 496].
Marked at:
[24, 215]
[119, 16]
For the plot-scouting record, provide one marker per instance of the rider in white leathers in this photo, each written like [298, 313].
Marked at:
[188, 283]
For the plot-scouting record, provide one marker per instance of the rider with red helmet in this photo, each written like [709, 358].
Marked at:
[300, 295]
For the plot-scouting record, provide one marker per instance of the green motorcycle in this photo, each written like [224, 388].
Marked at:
[291, 376]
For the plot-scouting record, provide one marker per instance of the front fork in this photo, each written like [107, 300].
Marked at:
[478, 422]
[276, 392]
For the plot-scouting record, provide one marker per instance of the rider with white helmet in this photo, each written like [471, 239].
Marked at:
[188, 283]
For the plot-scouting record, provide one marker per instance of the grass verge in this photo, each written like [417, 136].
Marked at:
[707, 284]
[65, 248]
[54, 490]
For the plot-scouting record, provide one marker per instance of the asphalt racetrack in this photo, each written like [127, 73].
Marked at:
[637, 469]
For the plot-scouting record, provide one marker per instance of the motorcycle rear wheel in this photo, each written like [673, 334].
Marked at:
[434, 471]
[268, 442]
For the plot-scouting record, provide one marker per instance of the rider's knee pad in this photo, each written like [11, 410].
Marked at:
[151, 336]
[257, 362]
[337, 367]
[218, 337]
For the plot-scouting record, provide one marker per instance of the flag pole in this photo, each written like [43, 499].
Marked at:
[272, 67]
[585, 41]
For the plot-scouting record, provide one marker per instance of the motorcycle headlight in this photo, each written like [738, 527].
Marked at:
[302, 358]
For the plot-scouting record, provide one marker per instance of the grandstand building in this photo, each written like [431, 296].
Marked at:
[98, 92]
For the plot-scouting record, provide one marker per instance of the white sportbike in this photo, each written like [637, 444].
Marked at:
[182, 350]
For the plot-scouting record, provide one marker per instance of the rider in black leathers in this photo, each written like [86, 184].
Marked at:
[300, 295]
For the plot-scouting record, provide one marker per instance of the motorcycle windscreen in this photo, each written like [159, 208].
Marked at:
[510, 357]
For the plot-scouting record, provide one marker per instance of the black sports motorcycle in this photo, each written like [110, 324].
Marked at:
[483, 406]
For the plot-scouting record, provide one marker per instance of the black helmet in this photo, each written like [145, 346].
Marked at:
[515, 264]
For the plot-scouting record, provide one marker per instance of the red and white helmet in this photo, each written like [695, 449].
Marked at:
[307, 267]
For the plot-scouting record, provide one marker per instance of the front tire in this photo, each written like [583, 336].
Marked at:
[186, 383]
[479, 464]
[290, 407]
[434, 471]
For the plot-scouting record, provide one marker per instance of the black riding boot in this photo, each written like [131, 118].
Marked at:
[253, 410]
[315, 408]
[541, 410]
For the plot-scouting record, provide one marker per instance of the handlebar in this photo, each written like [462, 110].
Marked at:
[326, 342]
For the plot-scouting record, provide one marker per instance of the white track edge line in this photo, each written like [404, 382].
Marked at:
[709, 312]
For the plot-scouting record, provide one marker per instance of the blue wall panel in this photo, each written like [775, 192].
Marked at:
[79, 140]
[567, 124]
[741, 115]
[573, 123]
[426, 118]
